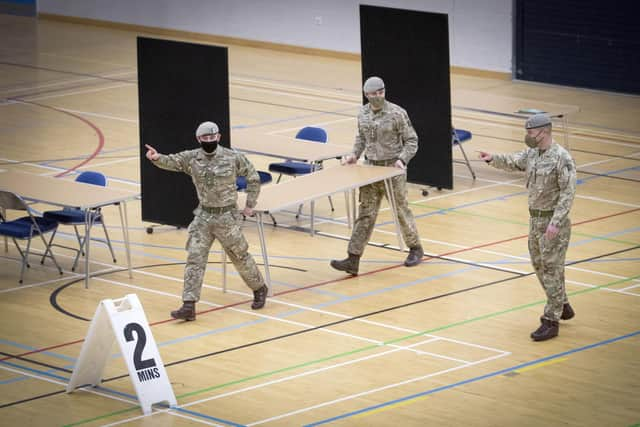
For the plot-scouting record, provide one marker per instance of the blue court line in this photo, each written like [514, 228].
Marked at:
[607, 236]
[212, 332]
[473, 380]
[37, 371]
[111, 391]
[615, 260]
[633, 168]
[208, 417]
[515, 262]
[29, 348]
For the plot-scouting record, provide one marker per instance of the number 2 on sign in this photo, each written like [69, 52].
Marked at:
[142, 341]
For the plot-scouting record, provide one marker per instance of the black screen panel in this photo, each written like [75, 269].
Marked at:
[409, 50]
[180, 85]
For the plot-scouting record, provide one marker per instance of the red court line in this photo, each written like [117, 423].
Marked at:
[391, 267]
[82, 119]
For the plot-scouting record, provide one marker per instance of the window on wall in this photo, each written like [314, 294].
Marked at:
[584, 43]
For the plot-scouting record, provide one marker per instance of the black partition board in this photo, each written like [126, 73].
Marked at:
[180, 85]
[409, 50]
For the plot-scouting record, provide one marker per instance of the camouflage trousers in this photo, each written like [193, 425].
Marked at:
[203, 230]
[547, 258]
[370, 198]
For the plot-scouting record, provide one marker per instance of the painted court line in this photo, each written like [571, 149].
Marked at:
[371, 391]
[393, 406]
[541, 364]
[280, 318]
[359, 350]
[474, 379]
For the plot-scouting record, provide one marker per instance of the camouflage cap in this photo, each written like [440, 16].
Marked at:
[537, 121]
[373, 84]
[207, 128]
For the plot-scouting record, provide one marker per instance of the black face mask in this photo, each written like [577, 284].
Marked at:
[209, 146]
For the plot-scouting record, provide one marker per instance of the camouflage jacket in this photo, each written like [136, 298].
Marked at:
[386, 134]
[551, 177]
[214, 175]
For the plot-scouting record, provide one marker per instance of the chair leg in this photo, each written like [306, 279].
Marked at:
[299, 211]
[466, 159]
[24, 259]
[104, 227]
[79, 237]
[48, 249]
[279, 178]
[273, 219]
[331, 203]
[80, 249]
[15, 242]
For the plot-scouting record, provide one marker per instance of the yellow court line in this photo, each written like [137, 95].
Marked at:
[541, 364]
[395, 405]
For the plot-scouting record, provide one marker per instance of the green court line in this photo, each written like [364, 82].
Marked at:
[524, 224]
[362, 349]
[102, 417]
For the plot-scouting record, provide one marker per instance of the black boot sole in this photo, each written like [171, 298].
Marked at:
[185, 318]
[346, 270]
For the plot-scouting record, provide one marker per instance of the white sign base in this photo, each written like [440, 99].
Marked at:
[124, 320]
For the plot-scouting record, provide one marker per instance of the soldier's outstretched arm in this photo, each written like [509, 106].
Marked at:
[178, 162]
[152, 154]
[510, 162]
[483, 155]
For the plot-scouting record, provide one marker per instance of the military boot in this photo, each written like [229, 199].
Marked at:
[349, 264]
[567, 312]
[547, 330]
[260, 297]
[186, 312]
[415, 256]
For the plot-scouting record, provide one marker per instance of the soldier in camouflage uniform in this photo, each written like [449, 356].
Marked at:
[213, 170]
[551, 181]
[387, 138]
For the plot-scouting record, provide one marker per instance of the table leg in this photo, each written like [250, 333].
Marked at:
[263, 247]
[394, 211]
[224, 270]
[313, 215]
[353, 203]
[88, 222]
[347, 204]
[124, 222]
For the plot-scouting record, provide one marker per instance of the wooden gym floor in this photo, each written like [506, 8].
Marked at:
[444, 343]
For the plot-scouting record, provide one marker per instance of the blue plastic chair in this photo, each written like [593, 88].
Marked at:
[458, 136]
[241, 181]
[25, 228]
[76, 217]
[265, 178]
[291, 168]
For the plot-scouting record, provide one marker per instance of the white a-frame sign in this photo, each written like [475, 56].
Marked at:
[125, 320]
